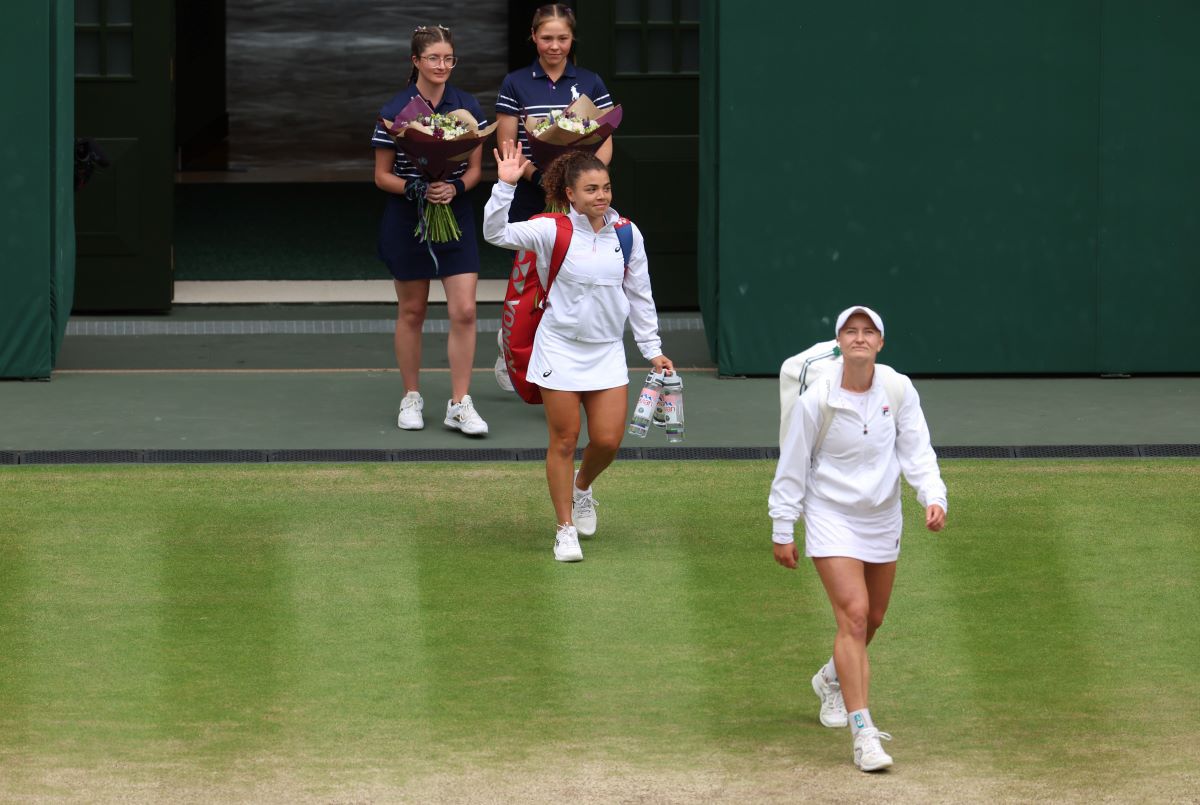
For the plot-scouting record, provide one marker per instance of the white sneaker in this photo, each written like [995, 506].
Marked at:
[868, 752]
[566, 544]
[410, 412]
[464, 417]
[583, 511]
[502, 378]
[833, 707]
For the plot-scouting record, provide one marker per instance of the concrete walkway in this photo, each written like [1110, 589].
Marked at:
[339, 391]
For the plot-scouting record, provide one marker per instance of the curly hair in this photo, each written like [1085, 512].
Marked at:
[564, 172]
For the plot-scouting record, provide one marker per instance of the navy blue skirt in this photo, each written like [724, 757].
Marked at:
[407, 258]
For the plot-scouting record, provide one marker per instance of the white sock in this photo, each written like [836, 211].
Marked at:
[859, 721]
[830, 672]
[575, 490]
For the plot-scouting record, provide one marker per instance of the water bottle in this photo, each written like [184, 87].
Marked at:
[644, 410]
[672, 407]
[660, 418]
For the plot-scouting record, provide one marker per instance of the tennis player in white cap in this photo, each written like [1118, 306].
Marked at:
[848, 442]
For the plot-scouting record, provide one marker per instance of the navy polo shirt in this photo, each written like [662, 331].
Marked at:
[529, 91]
[452, 99]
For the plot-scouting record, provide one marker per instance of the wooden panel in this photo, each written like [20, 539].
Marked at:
[124, 217]
[655, 183]
[655, 167]
[107, 211]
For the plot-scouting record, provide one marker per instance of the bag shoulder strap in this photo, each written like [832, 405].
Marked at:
[625, 236]
[826, 413]
[562, 242]
[893, 388]
[827, 355]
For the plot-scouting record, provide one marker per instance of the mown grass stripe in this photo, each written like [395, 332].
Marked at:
[279, 627]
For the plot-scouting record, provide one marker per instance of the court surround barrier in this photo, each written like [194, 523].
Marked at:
[1011, 185]
[37, 163]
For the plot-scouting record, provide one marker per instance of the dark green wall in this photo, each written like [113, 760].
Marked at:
[1149, 281]
[1008, 183]
[36, 229]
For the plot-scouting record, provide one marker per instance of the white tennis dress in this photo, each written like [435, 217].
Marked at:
[578, 345]
[849, 490]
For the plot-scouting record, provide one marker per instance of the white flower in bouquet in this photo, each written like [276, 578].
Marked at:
[568, 121]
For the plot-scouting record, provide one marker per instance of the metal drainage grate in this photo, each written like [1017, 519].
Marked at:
[144, 327]
[82, 457]
[1171, 450]
[207, 456]
[466, 454]
[702, 453]
[329, 455]
[982, 451]
[657, 453]
[1079, 451]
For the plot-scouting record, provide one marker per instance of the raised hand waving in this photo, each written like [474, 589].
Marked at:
[510, 162]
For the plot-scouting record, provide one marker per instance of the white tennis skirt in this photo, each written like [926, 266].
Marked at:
[564, 364]
[832, 531]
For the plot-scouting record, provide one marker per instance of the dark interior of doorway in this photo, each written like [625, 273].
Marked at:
[264, 189]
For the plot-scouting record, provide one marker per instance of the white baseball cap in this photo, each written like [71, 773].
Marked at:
[850, 311]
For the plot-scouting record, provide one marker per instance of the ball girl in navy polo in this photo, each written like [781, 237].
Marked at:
[578, 354]
[549, 84]
[408, 259]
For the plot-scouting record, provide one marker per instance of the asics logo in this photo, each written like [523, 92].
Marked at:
[618, 248]
[547, 374]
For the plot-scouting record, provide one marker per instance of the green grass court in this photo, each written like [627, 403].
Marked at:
[354, 633]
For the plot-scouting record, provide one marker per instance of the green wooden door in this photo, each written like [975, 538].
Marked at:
[123, 101]
[648, 53]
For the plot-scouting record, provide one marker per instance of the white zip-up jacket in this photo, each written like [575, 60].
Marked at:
[593, 294]
[857, 468]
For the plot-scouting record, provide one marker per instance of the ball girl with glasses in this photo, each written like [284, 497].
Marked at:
[549, 84]
[408, 258]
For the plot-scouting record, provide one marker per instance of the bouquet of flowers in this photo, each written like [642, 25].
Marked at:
[579, 127]
[565, 119]
[436, 144]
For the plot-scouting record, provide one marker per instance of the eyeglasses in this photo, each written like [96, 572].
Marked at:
[434, 61]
